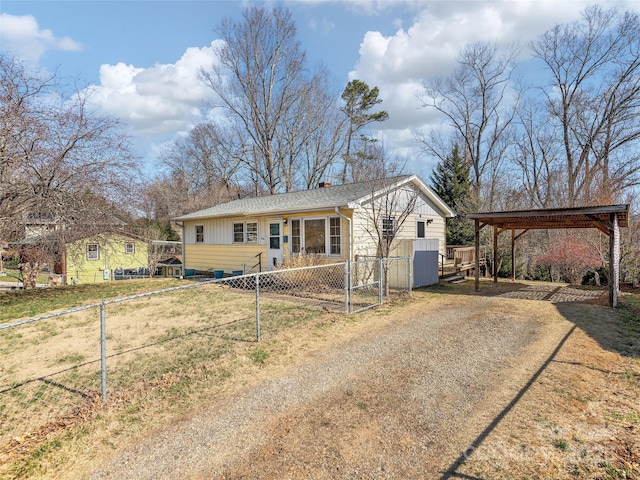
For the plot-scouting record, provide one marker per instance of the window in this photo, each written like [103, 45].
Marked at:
[316, 235]
[129, 248]
[420, 229]
[388, 227]
[245, 232]
[93, 251]
[238, 233]
[252, 232]
[296, 236]
[199, 233]
[274, 236]
[334, 236]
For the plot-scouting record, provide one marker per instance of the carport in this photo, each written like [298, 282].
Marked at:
[608, 219]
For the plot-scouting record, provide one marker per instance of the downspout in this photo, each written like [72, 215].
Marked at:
[184, 256]
[349, 250]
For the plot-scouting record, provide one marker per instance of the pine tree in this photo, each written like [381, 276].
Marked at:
[167, 232]
[358, 100]
[450, 180]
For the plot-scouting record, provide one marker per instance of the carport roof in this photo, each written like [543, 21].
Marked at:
[583, 217]
[608, 219]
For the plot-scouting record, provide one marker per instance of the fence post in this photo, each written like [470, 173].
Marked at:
[409, 283]
[347, 285]
[103, 351]
[380, 280]
[257, 307]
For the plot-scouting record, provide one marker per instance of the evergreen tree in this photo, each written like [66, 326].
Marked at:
[167, 232]
[358, 99]
[450, 180]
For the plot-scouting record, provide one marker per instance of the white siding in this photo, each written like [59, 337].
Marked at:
[424, 206]
[219, 231]
[365, 243]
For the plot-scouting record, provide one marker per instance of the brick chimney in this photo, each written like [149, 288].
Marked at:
[324, 184]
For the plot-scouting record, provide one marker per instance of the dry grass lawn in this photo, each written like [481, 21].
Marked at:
[565, 406]
[580, 418]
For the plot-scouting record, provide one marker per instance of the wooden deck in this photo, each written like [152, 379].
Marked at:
[462, 259]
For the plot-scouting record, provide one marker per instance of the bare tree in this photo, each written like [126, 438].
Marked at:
[630, 258]
[202, 170]
[475, 101]
[202, 158]
[594, 100]
[312, 135]
[390, 204]
[168, 195]
[537, 158]
[325, 143]
[58, 158]
[269, 97]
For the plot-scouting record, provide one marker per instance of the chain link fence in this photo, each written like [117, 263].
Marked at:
[12, 280]
[57, 367]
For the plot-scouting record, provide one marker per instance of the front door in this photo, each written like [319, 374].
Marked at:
[275, 245]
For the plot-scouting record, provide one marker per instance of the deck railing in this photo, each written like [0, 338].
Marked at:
[464, 258]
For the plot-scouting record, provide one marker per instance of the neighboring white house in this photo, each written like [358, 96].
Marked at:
[334, 222]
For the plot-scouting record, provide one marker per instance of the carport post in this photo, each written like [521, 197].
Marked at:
[477, 269]
[614, 260]
[495, 254]
[513, 254]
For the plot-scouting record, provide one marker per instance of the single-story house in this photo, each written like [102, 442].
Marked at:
[101, 257]
[335, 223]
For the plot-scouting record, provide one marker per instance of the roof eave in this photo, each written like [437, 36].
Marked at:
[579, 217]
[262, 213]
[424, 188]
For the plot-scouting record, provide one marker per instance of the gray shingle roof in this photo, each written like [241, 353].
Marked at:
[344, 196]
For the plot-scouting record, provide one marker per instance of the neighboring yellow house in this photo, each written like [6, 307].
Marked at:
[335, 222]
[101, 258]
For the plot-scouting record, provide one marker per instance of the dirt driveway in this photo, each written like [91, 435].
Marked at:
[412, 393]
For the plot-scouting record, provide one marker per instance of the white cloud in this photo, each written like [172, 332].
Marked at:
[22, 36]
[398, 64]
[164, 98]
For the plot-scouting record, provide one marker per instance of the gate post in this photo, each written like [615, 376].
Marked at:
[347, 286]
[380, 273]
[257, 307]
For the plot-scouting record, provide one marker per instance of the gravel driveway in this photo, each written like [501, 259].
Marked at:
[402, 400]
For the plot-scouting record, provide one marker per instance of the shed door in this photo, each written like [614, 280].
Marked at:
[275, 244]
[425, 262]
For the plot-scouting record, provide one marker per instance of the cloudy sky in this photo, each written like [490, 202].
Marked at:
[142, 56]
